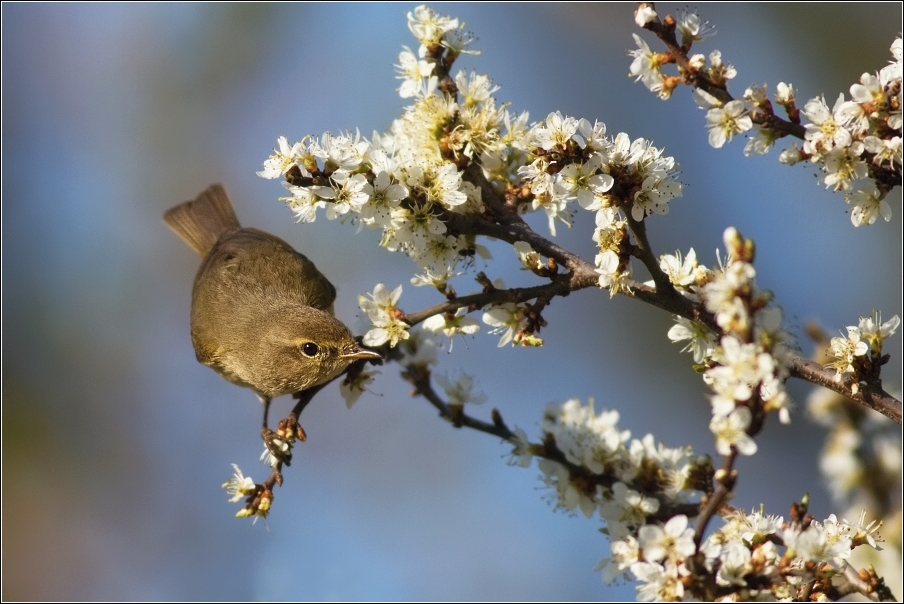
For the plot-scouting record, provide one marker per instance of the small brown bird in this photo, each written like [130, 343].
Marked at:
[261, 313]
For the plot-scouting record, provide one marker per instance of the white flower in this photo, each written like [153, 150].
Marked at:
[416, 228]
[428, 26]
[303, 202]
[756, 526]
[625, 552]
[657, 582]
[845, 349]
[530, 259]
[389, 330]
[416, 75]
[592, 137]
[761, 142]
[442, 186]
[784, 93]
[702, 341]
[674, 541]
[381, 301]
[557, 131]
[382, 311]
[385, 196]
[425, 352]
[459, 323]
[626, 510]
[735, 563]
[843, 167]
[536, 175]
[568, 495]
[349, 193]
[607, 266]
[644, 14]
[340, 152]
[824, 133]
[475, 89]
[724, 122]
[722, 295]
[283, 159]
[239, 485]
[582, 182]
[741, 367]
[718, 69]
[692, 29]
[887, 151]
[790, 156]
[555, 204]
[732, 431]
[505, 319]
[873, 330]
[815, 544]
[351, 390]
[585, 438]
[461, 390]
[269, 457]
[705, 100]
[680, 272]
[867, 204]
[521, 455]
[654, 196]
[646, 66]
[865, 533]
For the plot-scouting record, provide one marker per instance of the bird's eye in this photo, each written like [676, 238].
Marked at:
[309, 349]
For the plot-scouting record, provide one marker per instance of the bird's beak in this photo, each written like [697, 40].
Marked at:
[360, 353]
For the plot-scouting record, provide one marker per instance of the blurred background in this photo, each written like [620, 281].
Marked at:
[116, 441]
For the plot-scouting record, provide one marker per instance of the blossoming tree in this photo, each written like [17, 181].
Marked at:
[458, 167]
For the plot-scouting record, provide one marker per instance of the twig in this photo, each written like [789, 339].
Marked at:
[699, 79]
[726, 478]
[420, 378]
[874, 398]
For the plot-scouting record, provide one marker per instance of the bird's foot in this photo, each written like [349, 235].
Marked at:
[279, 442]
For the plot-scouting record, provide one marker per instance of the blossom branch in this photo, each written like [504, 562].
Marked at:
[643, 251]
[584, 275]
[698, 78]
[419, 375]
[559, 287]
[725, 480]
[870, 395]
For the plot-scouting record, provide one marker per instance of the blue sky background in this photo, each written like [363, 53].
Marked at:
[116, 441]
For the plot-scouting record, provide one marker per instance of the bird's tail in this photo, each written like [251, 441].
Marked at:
[202, 221]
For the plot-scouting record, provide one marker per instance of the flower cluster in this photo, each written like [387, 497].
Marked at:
[382, 310]
[857, 355]
[746, 365]
[258, 498]
[751, 557]
[510, 321]
[573, 160]
[412, 181]
[458, 164]
[594, 466]
[861, 462]
[647, 65]
[856, 143]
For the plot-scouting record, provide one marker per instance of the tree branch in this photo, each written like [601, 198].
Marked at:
[873, 397]
[699, 79]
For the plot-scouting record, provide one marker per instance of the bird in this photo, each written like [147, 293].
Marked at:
[261, 313]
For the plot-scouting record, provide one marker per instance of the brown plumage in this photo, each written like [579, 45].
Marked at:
[261, 313]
